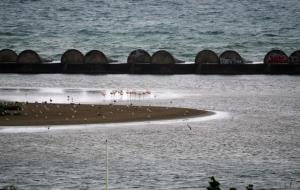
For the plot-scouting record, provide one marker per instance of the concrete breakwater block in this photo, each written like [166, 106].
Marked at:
[8, 56]
[295, 57]
[207, 57]
[29, 57]
[276, 57]
[164, 57]
[96, 57]
[72, 56]
[139, 56]
[231, 57]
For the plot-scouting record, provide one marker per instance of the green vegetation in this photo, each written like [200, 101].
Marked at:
[8, 108]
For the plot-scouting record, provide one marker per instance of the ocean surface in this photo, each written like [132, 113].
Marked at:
[182, 27]
[254, 138]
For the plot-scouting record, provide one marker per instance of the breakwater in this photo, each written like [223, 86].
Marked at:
[150, 69]
[140, 62]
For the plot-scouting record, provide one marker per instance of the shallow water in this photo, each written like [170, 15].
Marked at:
[256, 142]
[182, 27]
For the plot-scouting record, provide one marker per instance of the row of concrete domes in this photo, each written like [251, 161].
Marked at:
[73, 56]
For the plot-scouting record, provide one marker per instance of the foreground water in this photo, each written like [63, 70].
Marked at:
[182, 27]
[256, 139]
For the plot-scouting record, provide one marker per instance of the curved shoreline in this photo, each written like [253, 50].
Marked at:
[37, 114]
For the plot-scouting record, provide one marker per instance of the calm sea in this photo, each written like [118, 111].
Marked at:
[254, 138]
[119, 26]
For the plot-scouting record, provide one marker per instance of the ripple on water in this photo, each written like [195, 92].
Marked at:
[257, 142]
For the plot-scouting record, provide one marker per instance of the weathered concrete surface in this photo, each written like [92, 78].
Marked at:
[29, 57]
[8, 55]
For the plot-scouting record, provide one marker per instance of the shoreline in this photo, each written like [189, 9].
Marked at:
[39, 114]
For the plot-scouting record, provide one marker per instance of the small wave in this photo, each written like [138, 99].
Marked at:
[217, 32]
[28, 1]
[153, 32]
[63, 9]
[286, 29]
[270, 35]
[6, 34]
[89, 32]
[234, 46]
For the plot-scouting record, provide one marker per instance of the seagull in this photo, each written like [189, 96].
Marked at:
[189, 126]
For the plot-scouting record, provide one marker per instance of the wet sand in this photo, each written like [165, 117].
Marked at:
[64, 114]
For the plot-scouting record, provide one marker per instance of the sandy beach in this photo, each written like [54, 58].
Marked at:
[33, 114]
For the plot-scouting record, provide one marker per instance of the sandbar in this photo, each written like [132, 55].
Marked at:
[36, 114]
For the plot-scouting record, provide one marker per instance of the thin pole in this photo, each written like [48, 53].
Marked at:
[106, 185]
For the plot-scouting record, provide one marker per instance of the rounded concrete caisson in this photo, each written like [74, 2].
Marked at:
[295, 57]
[162, 57]
[276, 57]
[72, 56]
[8, 56]
[139, 56]
[231, 57]
[95, 57]
[207, 57]
[29, 57]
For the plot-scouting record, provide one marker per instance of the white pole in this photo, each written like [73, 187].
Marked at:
[106, 185]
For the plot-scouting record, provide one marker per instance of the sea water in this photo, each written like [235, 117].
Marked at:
[253, 138]
[182, 27]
